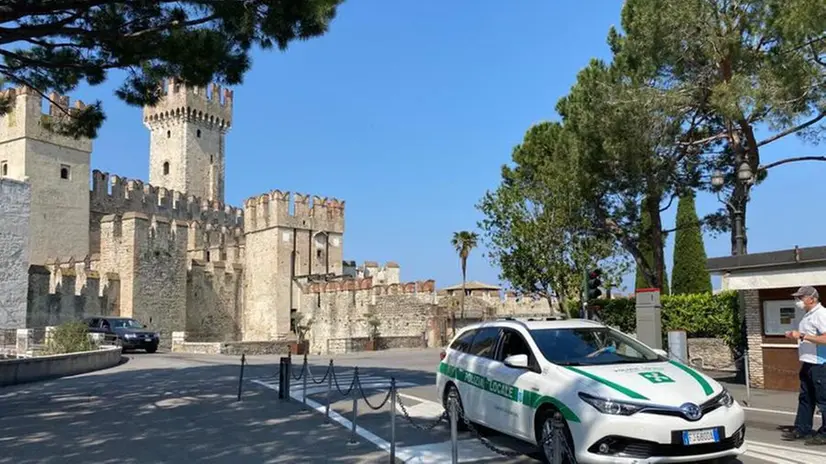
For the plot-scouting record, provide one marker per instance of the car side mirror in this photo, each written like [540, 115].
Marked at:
[660, 352]
[517, 361]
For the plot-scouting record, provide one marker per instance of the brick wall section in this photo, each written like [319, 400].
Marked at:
[754, 334]
[214, 302]
[15, 210]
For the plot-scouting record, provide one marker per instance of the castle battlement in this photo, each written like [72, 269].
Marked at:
[27, 119]
[210, 243]
[348, 285]
[69, 276]
[203, 105]
[273, 209]
[112, 194]
[159, 230]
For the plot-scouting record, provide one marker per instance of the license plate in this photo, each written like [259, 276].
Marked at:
[149, 339]
[696, 437]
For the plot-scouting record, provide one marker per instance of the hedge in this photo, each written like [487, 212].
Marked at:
[700, 315]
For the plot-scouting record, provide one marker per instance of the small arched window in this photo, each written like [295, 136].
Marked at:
[168, 134]
[64, 172]
[198, 133]
[4, 168]
[166, 168]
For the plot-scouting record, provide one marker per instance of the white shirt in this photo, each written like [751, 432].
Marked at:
[813, 323]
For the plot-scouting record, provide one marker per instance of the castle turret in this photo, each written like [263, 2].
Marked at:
[56, 166]
[286, 237]
[187, 131]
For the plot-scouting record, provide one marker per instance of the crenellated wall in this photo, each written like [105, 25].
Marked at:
[215, 299]
[64, 290]
[212, 243]
[340, 310]
[15, 212]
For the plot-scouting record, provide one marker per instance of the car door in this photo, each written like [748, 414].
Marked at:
[481, 353]
[512, 388]
[457, 364]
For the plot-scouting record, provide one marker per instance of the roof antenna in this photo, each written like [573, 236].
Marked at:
[796, 254]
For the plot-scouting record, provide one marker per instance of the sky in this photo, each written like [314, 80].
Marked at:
[407, 110]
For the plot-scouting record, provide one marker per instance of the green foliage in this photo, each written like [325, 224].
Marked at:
[373, 323]
[533, 222]
[690, 274]
[71, 337]
[66, 42]
[464, 241]
[700, 315]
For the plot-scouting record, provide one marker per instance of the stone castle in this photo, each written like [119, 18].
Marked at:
[171, 253]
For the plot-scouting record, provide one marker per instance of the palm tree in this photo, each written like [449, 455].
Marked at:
[464, 241]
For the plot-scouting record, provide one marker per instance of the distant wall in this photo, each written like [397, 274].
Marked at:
[15, 210]
[215, 298]
[65, 292]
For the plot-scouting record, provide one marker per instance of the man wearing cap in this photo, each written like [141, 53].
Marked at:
[812, 354]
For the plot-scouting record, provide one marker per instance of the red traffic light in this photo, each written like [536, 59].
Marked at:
[594, 274]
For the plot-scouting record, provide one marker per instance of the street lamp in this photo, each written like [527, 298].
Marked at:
[745, 177]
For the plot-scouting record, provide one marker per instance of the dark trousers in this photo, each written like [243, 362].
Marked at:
[812, 392]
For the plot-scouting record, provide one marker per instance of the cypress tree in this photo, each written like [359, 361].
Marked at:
[690, 274]
[645, 249]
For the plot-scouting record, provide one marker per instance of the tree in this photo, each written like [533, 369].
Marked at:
[56, 45]
[533, 224]
[741, 67]
[645, 249]
[464, 241]
[689, 272]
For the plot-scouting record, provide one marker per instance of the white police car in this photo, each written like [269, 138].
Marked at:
[621, 400]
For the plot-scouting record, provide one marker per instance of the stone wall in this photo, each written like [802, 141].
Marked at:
[754, 336]
[214, 305]
[68, 292]
[710, 353]
[15, 210]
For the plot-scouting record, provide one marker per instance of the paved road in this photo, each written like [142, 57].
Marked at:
[414, 372]
[174, 408]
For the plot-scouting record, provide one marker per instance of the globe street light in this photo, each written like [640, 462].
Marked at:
[744, 178]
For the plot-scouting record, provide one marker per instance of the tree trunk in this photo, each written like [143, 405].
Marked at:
[652, 205]
[464, 279]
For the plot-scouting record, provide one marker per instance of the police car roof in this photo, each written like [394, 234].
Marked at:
[537, 323]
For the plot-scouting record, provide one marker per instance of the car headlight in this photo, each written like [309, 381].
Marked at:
[608, 406]
[157, 334]
[725, 398]
[128, 335]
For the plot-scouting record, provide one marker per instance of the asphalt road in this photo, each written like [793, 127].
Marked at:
[172, 408]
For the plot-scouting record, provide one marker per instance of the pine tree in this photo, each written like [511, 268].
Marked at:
[645, 224]
[690, 274]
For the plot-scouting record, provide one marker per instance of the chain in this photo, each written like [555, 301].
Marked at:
[312, 377]
[352, 384]
[299, 375]
[425, 428]
[364, 396]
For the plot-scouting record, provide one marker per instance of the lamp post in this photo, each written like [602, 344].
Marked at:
[736, 203]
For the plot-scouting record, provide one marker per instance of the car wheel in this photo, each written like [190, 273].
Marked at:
[152, 349]
[545, 429]
[453, 393]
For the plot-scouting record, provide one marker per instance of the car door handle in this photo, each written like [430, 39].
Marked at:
[536, 389]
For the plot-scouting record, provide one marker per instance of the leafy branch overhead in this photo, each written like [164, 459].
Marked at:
[59, 44]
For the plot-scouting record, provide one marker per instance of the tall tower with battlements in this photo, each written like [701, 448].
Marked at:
[187, 132]
[56, 167]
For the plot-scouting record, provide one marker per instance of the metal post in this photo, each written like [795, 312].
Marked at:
[454, 431]
[353, 440]
[392, 420]
[241, 377]
[304, 382]
[748, 377]
[329, 391]
[557, 431]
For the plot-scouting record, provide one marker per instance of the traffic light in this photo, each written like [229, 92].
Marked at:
[593, 291]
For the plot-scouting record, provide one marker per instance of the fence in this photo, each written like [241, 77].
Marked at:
[554, 443]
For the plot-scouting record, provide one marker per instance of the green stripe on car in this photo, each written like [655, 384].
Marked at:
[528, 398]
[707, 389]
[608, 383]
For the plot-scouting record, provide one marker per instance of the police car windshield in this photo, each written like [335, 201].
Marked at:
[591, 346]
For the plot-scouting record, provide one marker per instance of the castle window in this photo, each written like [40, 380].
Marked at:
[211, 159]
[198, 133]
[168, 134]
[166, 168]
[64, 171]
[318, 254]
[4, 168]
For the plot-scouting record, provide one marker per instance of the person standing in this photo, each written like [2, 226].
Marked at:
[811, 335]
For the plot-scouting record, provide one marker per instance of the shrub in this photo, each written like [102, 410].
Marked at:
[700, 315]
[71, 337]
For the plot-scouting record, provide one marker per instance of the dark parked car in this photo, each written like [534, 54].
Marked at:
[125, 331]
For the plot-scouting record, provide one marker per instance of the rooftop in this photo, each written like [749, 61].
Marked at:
[473, 285]
[773, 259]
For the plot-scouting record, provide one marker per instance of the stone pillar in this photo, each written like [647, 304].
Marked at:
[649, 318]
[49, 335]
[178, 339]
[96, 338]
[25, 342]
[754, 336]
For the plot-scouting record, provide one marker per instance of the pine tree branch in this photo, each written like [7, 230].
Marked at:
[791, 160]
[793, 130]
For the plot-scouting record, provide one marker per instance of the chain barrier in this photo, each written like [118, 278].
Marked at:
[352, 384]
[313, 378]
[425, 428]
[364, 396]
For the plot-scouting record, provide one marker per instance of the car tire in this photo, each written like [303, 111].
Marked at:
[545, 425]
[152, 349]
[452, 392]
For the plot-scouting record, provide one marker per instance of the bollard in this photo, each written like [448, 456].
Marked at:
[304, 382]
[557, 438]
[454, 430]
[241, 377]
[393, 420]
[329, 391]
[353, 438]
[284, 378]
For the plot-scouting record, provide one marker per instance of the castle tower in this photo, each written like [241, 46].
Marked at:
[286, 237]
[56, 166]
[187, 130]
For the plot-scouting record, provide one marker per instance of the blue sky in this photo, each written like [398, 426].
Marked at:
[408, 109]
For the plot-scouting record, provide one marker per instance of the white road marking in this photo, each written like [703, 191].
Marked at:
[785, 454]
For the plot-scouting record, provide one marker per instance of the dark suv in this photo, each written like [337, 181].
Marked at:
[125, 331]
